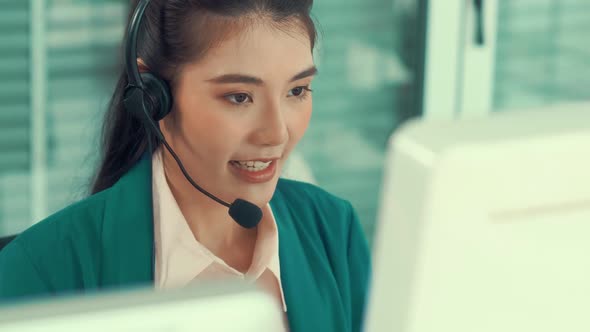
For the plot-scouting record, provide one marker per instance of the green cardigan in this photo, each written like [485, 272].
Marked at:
[106, 241]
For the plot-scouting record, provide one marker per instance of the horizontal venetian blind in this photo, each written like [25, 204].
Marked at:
[543, 52]
[83, 40]
[361, 84]
[15, 115]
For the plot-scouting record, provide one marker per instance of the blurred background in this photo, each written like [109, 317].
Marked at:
[381, 63]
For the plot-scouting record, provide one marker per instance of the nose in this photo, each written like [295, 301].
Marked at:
[272, 127]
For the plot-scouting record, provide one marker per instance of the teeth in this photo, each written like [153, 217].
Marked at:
[253, 166]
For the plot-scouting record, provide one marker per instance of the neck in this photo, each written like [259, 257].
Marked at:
[208, 220]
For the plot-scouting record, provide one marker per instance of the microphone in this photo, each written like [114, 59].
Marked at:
[245, 213]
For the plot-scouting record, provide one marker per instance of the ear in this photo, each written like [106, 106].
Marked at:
[142, 66]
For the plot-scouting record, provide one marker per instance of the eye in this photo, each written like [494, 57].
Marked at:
[300, 91]
[239, 98]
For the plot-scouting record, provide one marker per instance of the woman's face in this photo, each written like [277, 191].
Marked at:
[240, 110]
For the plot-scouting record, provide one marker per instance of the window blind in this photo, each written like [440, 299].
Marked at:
[542, 54]
[81, 45]
[83, 41]
[365, 75]
[15, 143]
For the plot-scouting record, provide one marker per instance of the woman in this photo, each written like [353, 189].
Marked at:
[239, 75]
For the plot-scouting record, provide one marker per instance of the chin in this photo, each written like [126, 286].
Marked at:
[260, 194]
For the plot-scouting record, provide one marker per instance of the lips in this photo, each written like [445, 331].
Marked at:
[252, 166]
[254, 171]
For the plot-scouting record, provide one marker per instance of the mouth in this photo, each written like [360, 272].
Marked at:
[254, 171]
[252, 165]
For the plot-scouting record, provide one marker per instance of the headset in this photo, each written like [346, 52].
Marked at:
[148, 98]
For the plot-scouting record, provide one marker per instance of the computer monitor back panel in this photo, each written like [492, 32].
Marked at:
[213, 307]
[485, 226]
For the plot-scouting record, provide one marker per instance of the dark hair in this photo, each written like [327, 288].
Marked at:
[174, 33]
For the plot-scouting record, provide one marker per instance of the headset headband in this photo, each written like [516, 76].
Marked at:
[131, 47]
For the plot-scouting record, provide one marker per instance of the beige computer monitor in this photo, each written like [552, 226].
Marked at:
[211, 307]
[485, 225]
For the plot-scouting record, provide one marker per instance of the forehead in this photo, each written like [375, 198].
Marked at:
[266, 50]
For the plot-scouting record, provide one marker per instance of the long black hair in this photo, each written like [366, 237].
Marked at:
[174, 33]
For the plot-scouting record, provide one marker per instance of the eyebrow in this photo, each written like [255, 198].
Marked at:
[247, 79]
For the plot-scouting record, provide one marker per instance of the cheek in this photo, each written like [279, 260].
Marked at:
[204, 123]
[299, 122]
[207, 129]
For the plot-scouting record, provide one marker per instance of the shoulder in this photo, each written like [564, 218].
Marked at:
[309, 197]
[84, 216]
[49, 255]
[314, 212]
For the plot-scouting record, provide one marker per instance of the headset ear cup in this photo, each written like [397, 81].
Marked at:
[158, 92]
